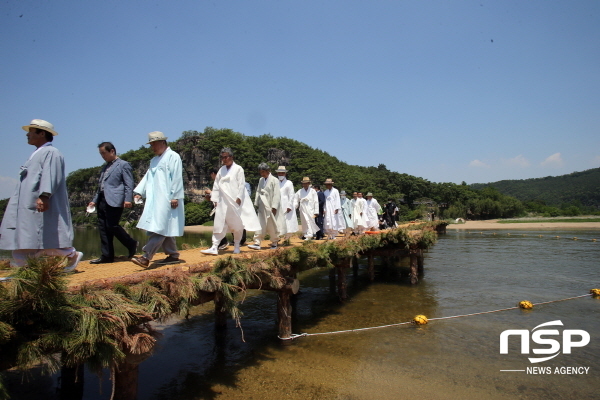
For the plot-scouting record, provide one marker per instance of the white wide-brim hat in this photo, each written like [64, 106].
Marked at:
[281, 169]
[41, 124]
[156, 136]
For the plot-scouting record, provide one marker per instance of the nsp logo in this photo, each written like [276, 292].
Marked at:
[541, 337]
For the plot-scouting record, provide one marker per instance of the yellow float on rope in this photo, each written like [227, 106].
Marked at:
[419, 320]
[595, 292]
[525, 305]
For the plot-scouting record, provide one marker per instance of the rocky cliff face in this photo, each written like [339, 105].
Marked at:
[197, 161]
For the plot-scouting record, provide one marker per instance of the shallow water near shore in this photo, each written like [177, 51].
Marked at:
[445, 359]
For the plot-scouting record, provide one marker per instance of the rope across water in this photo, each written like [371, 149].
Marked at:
[593, 292]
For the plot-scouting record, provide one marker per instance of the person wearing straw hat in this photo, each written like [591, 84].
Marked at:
[270, 210]
[307, 203]
[115, 193]
[373, 209]
[333, 220]
[233, 207]
[37, 220]
[163, 217]
[287, 201]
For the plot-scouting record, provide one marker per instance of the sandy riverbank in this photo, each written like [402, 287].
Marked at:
[494, 224]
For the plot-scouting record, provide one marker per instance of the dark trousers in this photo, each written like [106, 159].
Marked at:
[108, 225]
[319, 222]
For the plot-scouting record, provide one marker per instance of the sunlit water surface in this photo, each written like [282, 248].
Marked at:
[447, 359]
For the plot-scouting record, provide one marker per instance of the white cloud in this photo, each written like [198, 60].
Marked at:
[478, 164]
[7, 186]
[518, 161]
[554, 161]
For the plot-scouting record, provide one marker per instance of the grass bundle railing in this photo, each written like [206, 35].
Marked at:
[43, 322]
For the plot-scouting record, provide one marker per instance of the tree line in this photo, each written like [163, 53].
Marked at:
[569, 195]
[414, 196]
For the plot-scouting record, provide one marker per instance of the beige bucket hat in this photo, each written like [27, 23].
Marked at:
[281, 168]
[306, 179]
[328, 181]
[156, 136]
[369, 194]
[40, 124]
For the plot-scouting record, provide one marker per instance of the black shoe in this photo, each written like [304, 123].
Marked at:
[101, 260]
[133, 249]
[168, 260]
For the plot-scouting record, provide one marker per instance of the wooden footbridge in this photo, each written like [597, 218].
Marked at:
[109, 318]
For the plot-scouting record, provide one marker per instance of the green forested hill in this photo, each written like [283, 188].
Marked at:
[200, 152]
[576, 189]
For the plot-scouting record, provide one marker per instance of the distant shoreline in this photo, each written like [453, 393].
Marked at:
[493, 224]
[477, 225]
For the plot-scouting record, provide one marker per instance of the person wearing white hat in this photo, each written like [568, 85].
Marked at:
[163, 216]
[37, 220]
[307, 203]
[287, 201]
[373, 209]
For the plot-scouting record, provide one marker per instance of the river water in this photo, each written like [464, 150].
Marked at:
[446, 359]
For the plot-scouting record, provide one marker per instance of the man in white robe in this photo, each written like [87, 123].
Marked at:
[307, 202]
[37, 220]
[346, 207]
[270, 210]
[358, 214]
[333, 219]
[163, 217]
[287, 201]
[233, 207]
[373, 209]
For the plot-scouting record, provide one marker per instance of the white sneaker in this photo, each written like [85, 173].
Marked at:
[212, 251]
[236, 249]
[308, 238]
[73, 261]
[254, 246]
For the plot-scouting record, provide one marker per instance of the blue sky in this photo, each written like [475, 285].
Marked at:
[449, 91]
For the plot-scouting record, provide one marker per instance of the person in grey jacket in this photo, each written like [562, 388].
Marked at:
[37, 220]
[115, 192]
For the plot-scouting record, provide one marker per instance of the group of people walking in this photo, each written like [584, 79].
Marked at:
[322, 213]
[37, 221]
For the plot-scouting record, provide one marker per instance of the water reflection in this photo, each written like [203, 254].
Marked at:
[454, 358]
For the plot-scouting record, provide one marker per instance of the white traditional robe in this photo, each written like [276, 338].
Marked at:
[373, 209]
[333, 222]
[287, 201]
[230, 185]
[268, 196]
[162, 183]
[307, 203]
[347, 211]
[23, 227]
[359, 207]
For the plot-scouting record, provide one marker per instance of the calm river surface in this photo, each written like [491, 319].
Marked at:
[447, 359]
